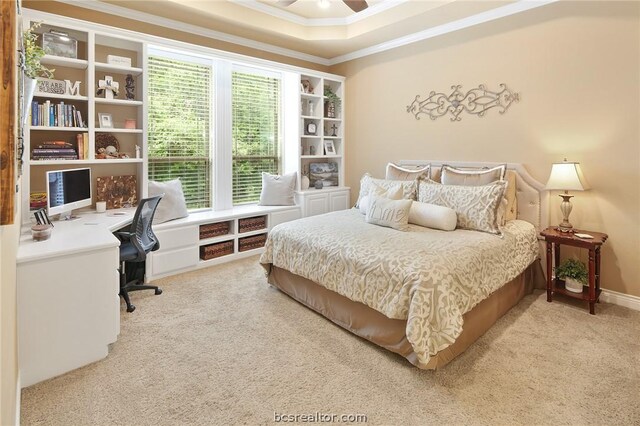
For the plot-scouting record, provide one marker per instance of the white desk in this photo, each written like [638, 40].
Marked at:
[68, 303]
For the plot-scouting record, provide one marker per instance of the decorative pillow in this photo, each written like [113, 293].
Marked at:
[433, 216]
[476, 206]
[277, 190]
[173, 205]
[471, 177]
[393, 193]
[408, 187]
[401, 173]
[390, 213]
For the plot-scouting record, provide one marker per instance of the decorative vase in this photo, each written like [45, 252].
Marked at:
[29, 90]
[572, 285]
[304, 182]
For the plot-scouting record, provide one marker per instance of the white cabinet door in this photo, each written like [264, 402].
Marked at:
[339, 200]
[316, 204]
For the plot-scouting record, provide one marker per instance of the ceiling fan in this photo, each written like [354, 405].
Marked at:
[355, 5]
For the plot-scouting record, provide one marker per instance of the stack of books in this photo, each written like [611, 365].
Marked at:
[55, 115]
[54, 150]
[37, 200]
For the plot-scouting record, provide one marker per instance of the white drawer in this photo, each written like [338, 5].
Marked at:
[178, 237]
[174, 260]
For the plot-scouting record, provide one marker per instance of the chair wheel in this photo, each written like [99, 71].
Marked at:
[131, 308]
[158, 291]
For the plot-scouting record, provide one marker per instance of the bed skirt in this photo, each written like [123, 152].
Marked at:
[390, 333]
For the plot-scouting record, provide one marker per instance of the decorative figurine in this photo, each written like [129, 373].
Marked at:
[130, 87]
[108, 87]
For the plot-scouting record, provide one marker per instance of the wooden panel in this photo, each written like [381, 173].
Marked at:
[7, 113]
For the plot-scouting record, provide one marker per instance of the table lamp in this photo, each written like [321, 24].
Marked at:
[566, 176]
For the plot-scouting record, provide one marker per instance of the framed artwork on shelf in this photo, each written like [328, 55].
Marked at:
[105, 120]
[329, 148]
[58, 43]
[324, 173]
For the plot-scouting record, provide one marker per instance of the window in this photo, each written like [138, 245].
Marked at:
[180, 126]
[256, 131]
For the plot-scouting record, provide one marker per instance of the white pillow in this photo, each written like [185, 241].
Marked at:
[395, 172]
[277, 190]
[389, 213]
[408, 187]
[393, 193]
[173, 205]
[433, 216]
[476, 206]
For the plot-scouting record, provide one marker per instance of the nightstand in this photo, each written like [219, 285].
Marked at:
[554, 240]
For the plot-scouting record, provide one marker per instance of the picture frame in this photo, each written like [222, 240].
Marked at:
[326, 174]
[311, 128]
[60, 44]
[105, 120]
[306, 86]
[329, 148]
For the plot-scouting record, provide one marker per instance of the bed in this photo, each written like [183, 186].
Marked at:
[424, 294]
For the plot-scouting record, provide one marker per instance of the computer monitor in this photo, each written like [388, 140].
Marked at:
[68, 190]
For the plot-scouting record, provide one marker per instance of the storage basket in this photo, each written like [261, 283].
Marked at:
[211, 230]
[249, 224]
[253, 242]
[211, 251]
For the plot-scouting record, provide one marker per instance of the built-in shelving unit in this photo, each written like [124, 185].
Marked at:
[91, 65]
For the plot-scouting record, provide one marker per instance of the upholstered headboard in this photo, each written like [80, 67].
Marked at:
[532, 198]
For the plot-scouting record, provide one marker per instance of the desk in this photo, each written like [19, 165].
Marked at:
[68, 303]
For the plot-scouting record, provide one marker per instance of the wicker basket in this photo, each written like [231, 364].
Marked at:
[249, 224]
[211, 230]
[211, 251]
[253, 242]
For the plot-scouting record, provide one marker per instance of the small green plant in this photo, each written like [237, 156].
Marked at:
[33, 54]
[572, 268]
[331, 96]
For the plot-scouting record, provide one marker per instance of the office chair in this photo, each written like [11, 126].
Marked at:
[134, 246]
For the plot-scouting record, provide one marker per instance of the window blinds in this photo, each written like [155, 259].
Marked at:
[180, 126]
[255, 132]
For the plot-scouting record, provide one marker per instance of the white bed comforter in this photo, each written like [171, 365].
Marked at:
[428, 277]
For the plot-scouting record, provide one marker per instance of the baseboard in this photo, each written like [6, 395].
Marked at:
[621, 299]
[18, 396]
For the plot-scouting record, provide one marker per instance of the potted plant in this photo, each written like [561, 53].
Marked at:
[32, 68]
[574, 273]
[332, 102]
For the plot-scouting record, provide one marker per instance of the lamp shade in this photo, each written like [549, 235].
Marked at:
[566, 176]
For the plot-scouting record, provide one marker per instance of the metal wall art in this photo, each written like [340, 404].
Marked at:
[476, 101]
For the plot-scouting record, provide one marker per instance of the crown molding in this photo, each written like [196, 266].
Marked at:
[480, 18]
[470, 21]
[193, 29]
[319, 22]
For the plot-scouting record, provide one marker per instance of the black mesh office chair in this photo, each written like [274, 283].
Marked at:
[134, 246]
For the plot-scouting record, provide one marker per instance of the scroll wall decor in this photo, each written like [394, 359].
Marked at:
[476, 101]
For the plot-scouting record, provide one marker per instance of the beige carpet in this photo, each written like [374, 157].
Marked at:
[220, 346]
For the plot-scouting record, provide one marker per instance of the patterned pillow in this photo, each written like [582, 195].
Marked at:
[393, 193]
[402, 173]
[390, 213]
[476, 206]
[409, 188]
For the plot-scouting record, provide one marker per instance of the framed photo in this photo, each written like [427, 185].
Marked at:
[60, 44]
[105, 120]
[329, 148]
[325, 173]
[311, 128]
[306, 86]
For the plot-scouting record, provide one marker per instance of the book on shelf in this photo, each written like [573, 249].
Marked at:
[83, 146]
[55, 115]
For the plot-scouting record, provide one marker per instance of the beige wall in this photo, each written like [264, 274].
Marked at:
[576, 66]
[129, 24]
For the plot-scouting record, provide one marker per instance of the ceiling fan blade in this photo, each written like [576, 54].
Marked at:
[356, 5]
[285, 3]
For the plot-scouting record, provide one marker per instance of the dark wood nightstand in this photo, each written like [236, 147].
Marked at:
[554, 239]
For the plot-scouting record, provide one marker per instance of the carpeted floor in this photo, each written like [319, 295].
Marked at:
[220, 346]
